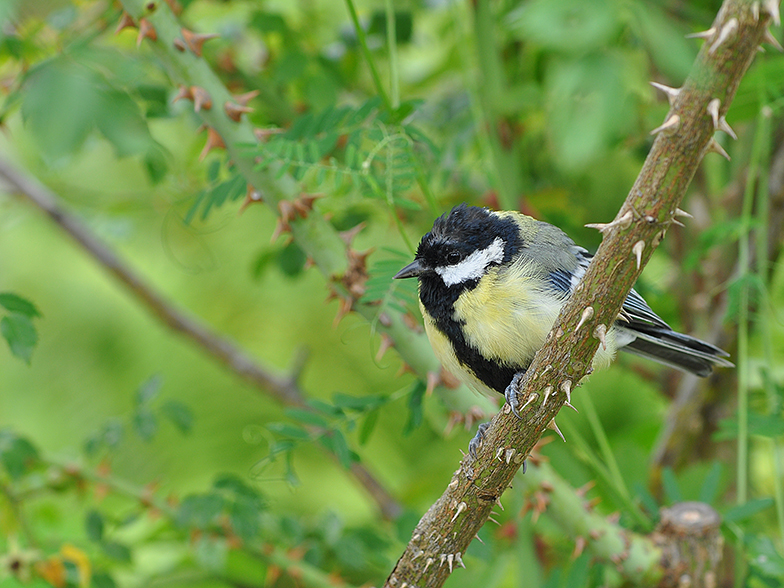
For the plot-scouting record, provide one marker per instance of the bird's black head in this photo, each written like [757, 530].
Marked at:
[461, 246]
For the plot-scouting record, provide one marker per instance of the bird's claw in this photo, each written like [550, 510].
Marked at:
[511, 394]
[476, 442]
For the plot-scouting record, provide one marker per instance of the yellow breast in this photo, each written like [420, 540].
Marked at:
[506, 317]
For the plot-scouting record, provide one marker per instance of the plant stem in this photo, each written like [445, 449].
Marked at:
[362, 38]
[744, 277]
[764, 310]
[394, 79]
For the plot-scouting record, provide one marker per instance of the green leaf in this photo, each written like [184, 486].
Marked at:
[336, 443]
[113, 432]
[59, 102]
[762, 425]
[121, 122]
[289, 430]
[368, 424]
[93, 525]
[764, 557]
[145, 424]
[568, 25]
[102, 580]
[179, 414]
[200, 510]
[747, 510]
[710, 487]
[17, 454]
[325, 407]
[291, 260]
[307, 417]
[244, 518]
[156, 165]
[415, 413]
[358, 403]
[149, 390]
[671, 488]
[17, 304]
[19, 332]
[211, 553]
[238, 486]
[117, 551]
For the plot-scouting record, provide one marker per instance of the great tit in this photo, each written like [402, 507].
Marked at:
[491, 285]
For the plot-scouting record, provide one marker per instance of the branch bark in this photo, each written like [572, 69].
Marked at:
[697, 111]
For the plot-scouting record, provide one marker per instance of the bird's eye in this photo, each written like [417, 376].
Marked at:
[453, 257]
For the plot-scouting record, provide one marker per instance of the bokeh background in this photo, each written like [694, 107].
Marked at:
[539, 106]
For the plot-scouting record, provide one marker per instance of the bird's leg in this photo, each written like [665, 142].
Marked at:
[476, 442]
[512, 391]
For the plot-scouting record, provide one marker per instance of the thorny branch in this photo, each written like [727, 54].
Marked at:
[284, 389]
[697, 111]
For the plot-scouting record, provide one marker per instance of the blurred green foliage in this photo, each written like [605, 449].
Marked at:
[129, 458]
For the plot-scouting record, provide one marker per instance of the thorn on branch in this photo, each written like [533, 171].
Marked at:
[460, 508]
[146, 31]
[554, 426]
[529, 400]
[386, 343]
[772, 8]
[715, 147]
[600, 332]
[263, 134]
[672, 93]
[126, 22]
[729, 28]
[566, 388]
[184, 93]
[201, 99]
[195, 41]
[252, 196]
[214, 141]
[579, 546]
[349, 235]
[719, 122]
[669, 126]
[638, 248]
[586, 316]
[702, 34]
[624, 222]
[235, 111]
[771, 40]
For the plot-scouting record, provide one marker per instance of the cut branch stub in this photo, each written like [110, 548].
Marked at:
[689, 536]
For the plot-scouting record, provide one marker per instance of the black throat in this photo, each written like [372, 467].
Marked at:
[439, 301]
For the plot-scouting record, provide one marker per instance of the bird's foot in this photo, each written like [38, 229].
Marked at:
[476, 442]
[511, 393]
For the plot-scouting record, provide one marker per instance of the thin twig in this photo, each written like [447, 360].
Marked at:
[283, 388]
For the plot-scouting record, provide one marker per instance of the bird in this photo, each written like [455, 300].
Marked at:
[491, 285]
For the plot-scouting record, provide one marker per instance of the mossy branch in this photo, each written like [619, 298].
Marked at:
[697, 111]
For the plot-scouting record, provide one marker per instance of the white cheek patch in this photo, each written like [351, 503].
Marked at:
[473, 266]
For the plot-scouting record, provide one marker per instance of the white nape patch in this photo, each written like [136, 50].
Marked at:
[473, 266]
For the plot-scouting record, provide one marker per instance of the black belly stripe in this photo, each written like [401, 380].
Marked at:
[491, 373]
[439, 302]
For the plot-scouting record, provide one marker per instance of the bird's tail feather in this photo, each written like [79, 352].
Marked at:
[676, 350]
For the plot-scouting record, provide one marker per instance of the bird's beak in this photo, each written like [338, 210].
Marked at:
[412, 270]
